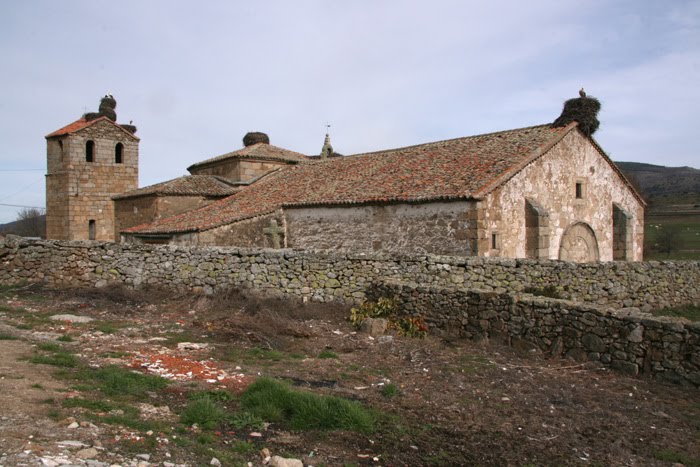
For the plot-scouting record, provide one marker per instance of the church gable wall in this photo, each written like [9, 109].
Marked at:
[238, 170]
[438, 228]
[550, 182]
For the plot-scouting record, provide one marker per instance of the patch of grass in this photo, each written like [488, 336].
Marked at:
[65, 338]
[114, 354]
[275, 401]
[55, 414]
[217, 395]
[36, 386]
[243, 420]
[89, 404]
[48, 347]
[669, 455]
[107, 328]
[243, 447]
[327, 354]
[689, 312]
[257, 355]
[390, 390]
[205, 438]
[24, 327]
[7, 337]
[206, 412]
[62, 359]
[114, 381]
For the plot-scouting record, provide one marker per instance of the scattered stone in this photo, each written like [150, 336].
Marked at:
[374, 326]
[73, 426]
[385, 340]
[89, 453]
[71, 318]
[277, 461]
[191, 346]
[72, 444]
[215, 462]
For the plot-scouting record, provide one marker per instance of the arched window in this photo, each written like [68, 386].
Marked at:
[90, 151]
[119, 153]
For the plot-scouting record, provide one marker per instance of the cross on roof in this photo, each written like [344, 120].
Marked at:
[274, 232]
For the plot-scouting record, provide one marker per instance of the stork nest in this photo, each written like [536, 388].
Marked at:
[108, 102]
[255, 137]
[130, 128]
[583, 110]
[90, 116]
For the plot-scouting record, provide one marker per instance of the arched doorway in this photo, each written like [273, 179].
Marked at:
[578, 244]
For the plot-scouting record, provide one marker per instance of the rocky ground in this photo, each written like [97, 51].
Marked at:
[436, 400]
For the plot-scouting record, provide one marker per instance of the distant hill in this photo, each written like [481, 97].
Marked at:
[657, 180]
[26, 227]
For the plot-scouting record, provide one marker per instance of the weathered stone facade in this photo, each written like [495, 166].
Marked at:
[135, 211]
[550, 183]
[85, 169]
[420, 228]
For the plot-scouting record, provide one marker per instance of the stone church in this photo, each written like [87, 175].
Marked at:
[546, 191]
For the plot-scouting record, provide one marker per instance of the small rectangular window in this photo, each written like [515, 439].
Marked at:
[91, 229]
[579, 190]
[494, 241]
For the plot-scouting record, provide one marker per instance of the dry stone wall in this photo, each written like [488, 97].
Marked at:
[604, 319]
[624, 339]
[329, 276]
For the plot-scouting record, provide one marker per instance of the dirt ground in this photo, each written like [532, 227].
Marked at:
[438, 400]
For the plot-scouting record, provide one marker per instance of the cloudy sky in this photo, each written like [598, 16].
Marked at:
[196, 76]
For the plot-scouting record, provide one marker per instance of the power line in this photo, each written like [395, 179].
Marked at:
[21, 170]
[20, 206]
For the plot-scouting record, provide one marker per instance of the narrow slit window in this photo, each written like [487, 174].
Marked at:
[494, 241]
[90, 151]
[91, 229]
[579, 190]
[119, 153]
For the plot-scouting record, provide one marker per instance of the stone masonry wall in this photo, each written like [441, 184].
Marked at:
[474, 296]
[328, 276]
[427, 228]
[623, 338]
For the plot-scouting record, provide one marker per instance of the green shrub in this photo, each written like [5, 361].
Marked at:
[205, 412]
[275, 401]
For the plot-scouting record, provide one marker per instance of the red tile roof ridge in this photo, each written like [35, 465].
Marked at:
[518, 166]
[431, 143]
[82, 123]
[248, 152]
[456, 169]
[186, 185]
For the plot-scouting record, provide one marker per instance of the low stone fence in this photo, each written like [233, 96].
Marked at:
[624, 339]
[334, 276]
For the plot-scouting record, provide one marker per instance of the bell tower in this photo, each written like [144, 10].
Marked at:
[88, 162]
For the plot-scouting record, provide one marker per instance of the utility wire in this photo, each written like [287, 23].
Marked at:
[20, 206]
[21, 189]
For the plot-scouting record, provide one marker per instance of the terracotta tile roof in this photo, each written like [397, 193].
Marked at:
[188, 185]
[83, 123]
[462, 168]
[255, 151]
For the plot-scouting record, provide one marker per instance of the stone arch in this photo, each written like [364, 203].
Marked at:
[579, 244]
